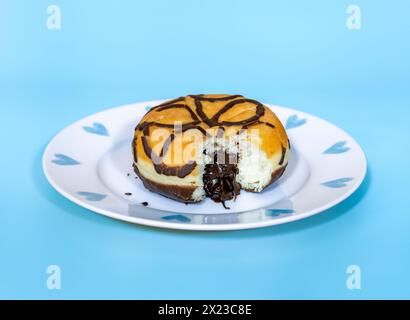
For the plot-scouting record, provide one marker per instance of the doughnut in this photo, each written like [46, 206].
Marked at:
[209, 145]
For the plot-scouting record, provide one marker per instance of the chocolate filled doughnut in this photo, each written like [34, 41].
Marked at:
[211, 146]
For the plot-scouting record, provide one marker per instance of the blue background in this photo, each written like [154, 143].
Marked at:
[294, 53]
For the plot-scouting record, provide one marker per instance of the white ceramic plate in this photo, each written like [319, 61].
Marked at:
[90, 163]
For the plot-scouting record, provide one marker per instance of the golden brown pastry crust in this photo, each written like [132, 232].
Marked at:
[199, 113]
[175, 192]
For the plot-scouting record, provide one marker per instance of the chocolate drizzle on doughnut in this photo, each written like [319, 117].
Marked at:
[226, 188]
[213, 99]
[214, 121]
[176, 106]
[282, 159]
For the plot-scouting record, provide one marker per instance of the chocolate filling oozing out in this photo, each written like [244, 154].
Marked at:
[220, 180]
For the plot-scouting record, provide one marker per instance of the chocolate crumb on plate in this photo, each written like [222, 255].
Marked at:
[145, 203]
[128, 194]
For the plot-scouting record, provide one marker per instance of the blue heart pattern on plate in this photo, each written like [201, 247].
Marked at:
[337, 148]
[63, 160]
[278, 212]
[294, 122]
[338, 183]
[97, 128]
[92, 196]
[177, 217]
